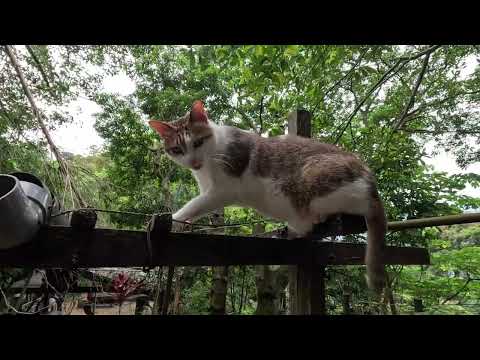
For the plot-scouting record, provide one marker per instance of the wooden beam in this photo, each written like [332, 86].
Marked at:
[62, 247]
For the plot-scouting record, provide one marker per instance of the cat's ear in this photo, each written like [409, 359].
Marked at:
[164, 129]
[198, 113]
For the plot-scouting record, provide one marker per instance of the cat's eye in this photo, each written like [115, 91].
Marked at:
[176, 150]
[197, 143]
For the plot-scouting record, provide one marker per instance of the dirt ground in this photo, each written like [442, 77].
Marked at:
[70, 307]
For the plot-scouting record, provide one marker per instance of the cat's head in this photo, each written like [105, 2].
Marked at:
[189, 140]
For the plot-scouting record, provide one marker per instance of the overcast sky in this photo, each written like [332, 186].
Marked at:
[79, 136]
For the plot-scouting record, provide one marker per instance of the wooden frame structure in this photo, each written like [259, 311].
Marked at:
[70, 247]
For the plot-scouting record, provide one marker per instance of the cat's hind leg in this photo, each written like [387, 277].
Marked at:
[299, 228]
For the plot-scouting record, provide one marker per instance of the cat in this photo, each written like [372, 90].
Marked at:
[289, 178]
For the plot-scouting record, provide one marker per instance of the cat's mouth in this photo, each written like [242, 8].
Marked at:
[196, 165]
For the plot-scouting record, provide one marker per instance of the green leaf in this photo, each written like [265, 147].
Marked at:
[291, 50]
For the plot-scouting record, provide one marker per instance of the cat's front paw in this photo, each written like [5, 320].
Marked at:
[181, 226]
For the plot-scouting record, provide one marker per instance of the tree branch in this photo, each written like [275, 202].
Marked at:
[400, 63]
[458, 292]
[411, 101]
[409, 116]
[245, 117]
[39, 65]
[338, 82]
[261, 111]
[421, 53]
[433, 132]
[380, 82]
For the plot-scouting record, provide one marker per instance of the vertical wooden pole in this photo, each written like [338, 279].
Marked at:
[267, 303]
[218, 295]
[140, 305]
[307, 281]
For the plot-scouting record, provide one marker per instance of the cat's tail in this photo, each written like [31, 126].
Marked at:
[377, 228]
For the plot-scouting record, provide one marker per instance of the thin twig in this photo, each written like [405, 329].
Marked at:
[5, 299]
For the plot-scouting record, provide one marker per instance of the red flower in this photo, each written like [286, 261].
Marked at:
[123, 286]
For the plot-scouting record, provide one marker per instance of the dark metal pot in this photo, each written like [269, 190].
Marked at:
[20, 217]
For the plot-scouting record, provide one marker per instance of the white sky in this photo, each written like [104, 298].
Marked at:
[79, 136]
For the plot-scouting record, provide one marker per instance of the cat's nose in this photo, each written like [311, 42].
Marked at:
[196, 164]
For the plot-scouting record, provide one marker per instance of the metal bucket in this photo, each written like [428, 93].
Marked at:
[47, 203]
[20, 217]
[37, 192]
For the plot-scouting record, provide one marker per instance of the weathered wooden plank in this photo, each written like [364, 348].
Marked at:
[67, 248]
[331, 253]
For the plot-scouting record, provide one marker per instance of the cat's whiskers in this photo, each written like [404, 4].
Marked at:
[221, 161]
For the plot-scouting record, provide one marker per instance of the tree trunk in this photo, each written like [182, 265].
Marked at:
[267, 302]
[389, 296]
[243, 291]
[218, 294]
[157, 302]
[219, 290]
[391, 300]
[179, 284]
[61, 162]
[346, 299]
[233, 301]
[168, 289]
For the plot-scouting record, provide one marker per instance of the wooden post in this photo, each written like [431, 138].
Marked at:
[218, 294]
[265, 280]
[418, 306]
[307, 281]
[300, 123]
[140, 305]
